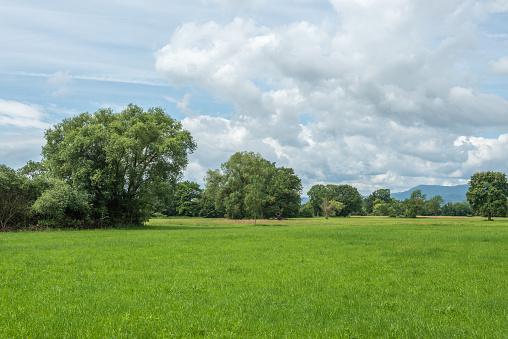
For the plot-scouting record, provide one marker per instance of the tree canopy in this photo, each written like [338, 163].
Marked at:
[121, 160]
[347, 195]
[248, 186]
[487, 193]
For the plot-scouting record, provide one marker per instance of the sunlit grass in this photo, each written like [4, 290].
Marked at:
[347, 277]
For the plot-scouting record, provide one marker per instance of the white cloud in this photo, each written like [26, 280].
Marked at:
[13, 113]
[485, 153]
[500, 66]
[391, 85]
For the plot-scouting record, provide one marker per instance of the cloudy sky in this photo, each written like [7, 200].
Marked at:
[376, 94]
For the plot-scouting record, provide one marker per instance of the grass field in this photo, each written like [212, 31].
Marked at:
[345, 278]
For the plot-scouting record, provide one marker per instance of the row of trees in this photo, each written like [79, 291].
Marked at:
[188, 199]
[110, 168]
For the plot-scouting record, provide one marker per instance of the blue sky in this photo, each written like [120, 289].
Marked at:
[387, 94]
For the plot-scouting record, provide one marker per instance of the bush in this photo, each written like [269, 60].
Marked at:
[62, 206]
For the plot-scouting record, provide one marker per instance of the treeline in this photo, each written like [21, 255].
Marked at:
[189, 199]
[109, 169]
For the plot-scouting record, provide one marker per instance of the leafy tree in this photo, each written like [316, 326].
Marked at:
[121, 160]
[283, 192]
[255, 198]
[434, 204]
[334, 208]
[207, 204]
[350, 197]
[382, 195]
[487, 193]
[390, 208]
[187, 196]
[414, 204]
[316, 195]
[248, 185]
[345, 194]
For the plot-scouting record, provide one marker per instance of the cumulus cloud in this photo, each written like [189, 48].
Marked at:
[391, 85]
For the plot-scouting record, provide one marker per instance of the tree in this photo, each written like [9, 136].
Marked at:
[382, 195]
[414, 204]
[434, 204]
[283, 192]
[316, 195]
[248, 185]
[334, 208]
[350, 197]
[487, 193]
[345, 194]
[255, 198]
[121, 160]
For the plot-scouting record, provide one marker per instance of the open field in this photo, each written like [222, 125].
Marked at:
[345, 277]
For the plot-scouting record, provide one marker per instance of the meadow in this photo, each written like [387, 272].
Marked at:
[334, 278]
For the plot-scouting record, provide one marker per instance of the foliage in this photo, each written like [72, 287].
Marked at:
[487, 193]
[248, 185]
[14, 199]
[334, 208]
[434, 204]
[306, 210]
[182, 199]
[316, 195]
[61, 205]
[390, 208]
[256, 196]
[456, 209]
[120, 160]
[381, 196]
[414, 204]
[347, 195]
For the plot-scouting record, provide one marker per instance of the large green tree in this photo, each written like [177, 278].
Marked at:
[346, 194]
[123, 161]
[487, 193]
[249, 186]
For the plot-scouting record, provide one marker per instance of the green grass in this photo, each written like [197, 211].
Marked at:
[345, 278]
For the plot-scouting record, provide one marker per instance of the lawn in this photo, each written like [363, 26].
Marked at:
[344, 277]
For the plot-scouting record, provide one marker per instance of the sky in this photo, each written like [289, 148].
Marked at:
[375, 94]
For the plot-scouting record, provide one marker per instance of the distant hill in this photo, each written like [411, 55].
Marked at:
[451, 194]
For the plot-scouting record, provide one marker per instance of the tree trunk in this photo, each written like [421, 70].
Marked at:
[254, 219]
[490, 217]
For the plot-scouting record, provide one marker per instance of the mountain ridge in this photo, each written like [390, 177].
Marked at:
[451, 194]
